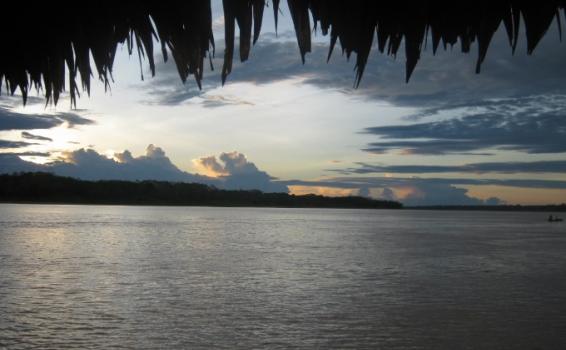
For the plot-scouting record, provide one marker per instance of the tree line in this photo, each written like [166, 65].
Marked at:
[42, 187]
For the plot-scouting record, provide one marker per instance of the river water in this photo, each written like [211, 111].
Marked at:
[241, 278]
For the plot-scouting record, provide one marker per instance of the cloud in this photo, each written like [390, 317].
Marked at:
[14, 144]
[90, 165]
[30, 136]
[73, 119]
[233, 169]
[426, 191]
[448, 77]
[272, 59]
[423, 194]
[523, 105]
[382, 181]
[211, 166]
[12, 101]
[299, 190]
[26, 154]
[10, 120]
[11, 163]
[364, 192]
[531, 125]
[388, 194]
[214, 101]
[545, 166]
[236, 172]
[411, 192]
[443, 194]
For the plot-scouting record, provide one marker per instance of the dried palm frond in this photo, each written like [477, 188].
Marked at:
[44, 42]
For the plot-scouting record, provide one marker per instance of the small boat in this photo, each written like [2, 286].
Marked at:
[554, 219]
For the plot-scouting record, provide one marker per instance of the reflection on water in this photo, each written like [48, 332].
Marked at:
[159, 277]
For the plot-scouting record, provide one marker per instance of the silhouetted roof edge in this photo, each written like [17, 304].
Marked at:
[46, 40]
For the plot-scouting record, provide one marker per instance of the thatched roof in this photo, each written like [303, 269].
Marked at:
[42, 40]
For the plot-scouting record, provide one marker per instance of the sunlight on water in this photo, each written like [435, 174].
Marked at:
[162, 277]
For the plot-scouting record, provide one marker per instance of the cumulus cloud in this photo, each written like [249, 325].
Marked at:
[233, 169]
[11, 163]
[479, 114]
[427, 191]
[236, 172]
[211, 166]
[90, 165]
[459, 112]
[410, 192]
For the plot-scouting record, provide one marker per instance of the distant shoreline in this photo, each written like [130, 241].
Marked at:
[46, 188]
[511, 208]
[188, 205]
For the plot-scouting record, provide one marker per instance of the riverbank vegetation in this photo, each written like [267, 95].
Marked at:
[49, 188]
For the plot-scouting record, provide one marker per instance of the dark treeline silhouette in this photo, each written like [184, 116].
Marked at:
[49, 188]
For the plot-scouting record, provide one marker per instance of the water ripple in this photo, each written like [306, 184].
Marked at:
[101, 277]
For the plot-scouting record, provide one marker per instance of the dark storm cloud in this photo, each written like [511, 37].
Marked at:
[270, 61]
[532, 105]
[30, 136]
[235, 171]
[447, 78]
[25, 154]
[531, 125]
[515, 113]
[547, 166]
[14, 144]
[10, 120]
[73, 119]
[167, 90]
[18, 121]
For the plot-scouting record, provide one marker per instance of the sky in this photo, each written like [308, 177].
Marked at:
[449, 136]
